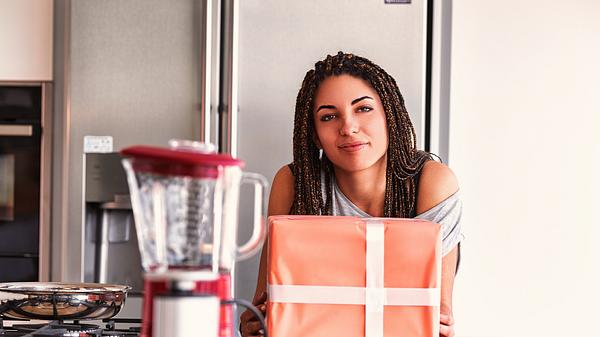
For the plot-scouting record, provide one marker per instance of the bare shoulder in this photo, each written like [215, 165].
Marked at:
[436, 184]
[282, 192]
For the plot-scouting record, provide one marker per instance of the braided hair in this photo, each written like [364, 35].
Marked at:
[404, 161]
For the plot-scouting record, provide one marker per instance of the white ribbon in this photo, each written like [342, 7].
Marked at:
[351, 295]
[375, 293]
[374, 296]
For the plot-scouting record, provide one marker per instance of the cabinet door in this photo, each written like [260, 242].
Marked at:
[26, 40]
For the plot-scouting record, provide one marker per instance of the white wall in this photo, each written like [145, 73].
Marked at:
[524, 124]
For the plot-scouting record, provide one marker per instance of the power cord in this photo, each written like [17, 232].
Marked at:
[248, 305]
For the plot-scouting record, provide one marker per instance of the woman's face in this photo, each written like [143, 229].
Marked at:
[350, 123]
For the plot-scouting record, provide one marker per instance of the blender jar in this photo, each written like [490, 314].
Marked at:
[185, 202]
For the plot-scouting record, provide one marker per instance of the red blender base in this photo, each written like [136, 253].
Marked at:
[224, 287]
[151, 289]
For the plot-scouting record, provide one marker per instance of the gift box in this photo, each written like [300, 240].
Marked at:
[349, 276]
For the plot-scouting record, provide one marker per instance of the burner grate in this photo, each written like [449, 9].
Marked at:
[70, 329]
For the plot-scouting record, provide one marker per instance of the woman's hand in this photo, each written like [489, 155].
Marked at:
[249, 324]
[447, 325]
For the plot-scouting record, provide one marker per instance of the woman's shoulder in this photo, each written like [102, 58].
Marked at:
[284, 175]
[436, 183]
[282, 192]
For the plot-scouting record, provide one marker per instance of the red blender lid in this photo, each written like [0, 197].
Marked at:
[178, 162]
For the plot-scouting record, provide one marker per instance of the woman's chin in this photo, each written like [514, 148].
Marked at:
[355, 166]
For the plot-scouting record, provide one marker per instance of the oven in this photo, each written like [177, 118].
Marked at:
[23, 183]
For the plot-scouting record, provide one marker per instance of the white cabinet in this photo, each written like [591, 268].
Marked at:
[26, 40]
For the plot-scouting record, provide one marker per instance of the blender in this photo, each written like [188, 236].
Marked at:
[185, 202]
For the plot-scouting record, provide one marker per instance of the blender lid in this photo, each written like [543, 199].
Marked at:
[176, 156]
[178, 161]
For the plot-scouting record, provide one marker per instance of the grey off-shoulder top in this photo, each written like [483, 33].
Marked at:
[447, 213]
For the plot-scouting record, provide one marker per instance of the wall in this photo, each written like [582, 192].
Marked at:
[524, 143]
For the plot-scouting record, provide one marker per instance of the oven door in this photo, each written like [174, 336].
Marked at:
[20, 161]
[19, 201]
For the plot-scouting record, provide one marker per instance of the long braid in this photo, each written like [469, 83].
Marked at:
[404, 161]
[307, 165]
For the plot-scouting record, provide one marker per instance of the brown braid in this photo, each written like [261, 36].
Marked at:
[404, 161]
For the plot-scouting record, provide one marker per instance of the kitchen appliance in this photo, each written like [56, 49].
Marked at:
[110, 236]
[228, 72]
[53, 300]
[270, 44]
[24, 181]
[185, 201]
[114, 327]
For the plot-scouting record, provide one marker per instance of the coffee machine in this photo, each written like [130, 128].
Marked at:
[185, 203]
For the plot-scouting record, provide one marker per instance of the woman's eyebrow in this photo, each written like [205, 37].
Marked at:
[352, 103]
[325, 107]
[360, 99]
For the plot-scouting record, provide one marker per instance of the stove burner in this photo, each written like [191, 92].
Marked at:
[70, 329]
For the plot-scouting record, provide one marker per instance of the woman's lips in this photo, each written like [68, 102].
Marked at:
[353, 146]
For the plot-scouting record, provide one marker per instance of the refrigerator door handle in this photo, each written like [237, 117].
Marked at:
[228, 119]
[206, 69]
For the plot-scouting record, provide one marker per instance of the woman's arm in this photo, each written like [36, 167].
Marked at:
[448, 272]
[436, 184]
[280, 203]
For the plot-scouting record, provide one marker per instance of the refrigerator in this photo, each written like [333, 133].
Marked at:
[226, 72]
[279, 41]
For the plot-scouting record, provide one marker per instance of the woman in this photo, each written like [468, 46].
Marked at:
[355, 154]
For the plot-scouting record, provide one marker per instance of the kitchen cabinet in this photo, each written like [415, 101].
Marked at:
[26, 40]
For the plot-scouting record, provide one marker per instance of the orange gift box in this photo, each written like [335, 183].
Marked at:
[349, 276]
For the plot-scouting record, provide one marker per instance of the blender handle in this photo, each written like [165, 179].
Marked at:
[259, 229]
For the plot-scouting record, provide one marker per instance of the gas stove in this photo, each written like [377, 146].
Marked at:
[115, 327]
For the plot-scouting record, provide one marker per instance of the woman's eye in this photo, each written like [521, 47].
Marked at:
[326, 118]
[365, 109]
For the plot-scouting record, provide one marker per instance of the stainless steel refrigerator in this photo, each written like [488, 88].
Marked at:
[224, 71]
[278, 41]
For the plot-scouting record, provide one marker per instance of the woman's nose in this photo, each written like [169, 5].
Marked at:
[349, 126]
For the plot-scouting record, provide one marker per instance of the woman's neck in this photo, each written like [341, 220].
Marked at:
[365, 188]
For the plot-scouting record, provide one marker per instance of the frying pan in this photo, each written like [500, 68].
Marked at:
[60, 301]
